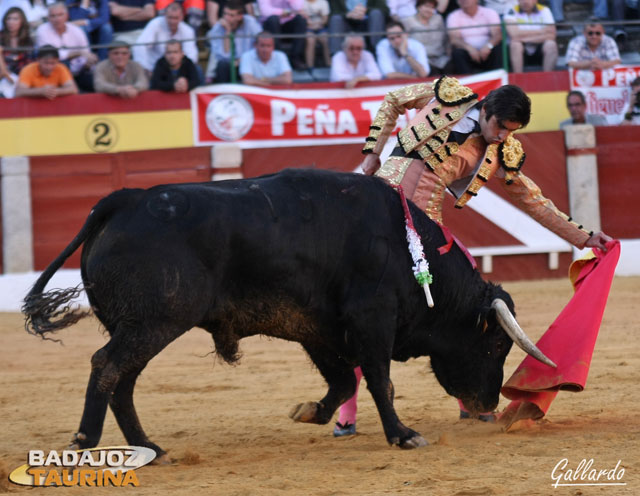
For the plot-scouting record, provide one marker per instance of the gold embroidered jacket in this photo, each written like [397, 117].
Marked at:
[445, 164]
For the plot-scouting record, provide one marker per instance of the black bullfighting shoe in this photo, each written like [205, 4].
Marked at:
[344, 430]
[484, 417]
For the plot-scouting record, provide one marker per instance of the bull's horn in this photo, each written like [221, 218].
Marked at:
[513, 329]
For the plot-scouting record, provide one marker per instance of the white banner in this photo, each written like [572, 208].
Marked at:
[607, 91]
[257, 117]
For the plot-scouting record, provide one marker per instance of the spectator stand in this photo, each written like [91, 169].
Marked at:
[575, 15]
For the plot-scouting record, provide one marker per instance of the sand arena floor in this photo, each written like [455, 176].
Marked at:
[227, 431]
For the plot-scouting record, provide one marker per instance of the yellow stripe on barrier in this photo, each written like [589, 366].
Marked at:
[548, 109]
[96, 133]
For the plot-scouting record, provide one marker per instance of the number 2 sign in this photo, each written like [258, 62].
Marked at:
[101, 135]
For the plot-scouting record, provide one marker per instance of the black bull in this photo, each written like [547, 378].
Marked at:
[311, 256]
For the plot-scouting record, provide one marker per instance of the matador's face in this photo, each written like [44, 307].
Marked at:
[495, 130]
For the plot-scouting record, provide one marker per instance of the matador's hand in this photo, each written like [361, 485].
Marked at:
[598, 240]
[370, 164]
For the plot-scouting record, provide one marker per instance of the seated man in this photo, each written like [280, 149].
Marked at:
[401, 57]
[175, 71]
[285, 17]
[150, 46]
[214, 10]
[47, 77]
[263, 65]
[577, 106]
[61, 34]
[129, 17]
[353, 64]
[592, 50]
[244, 29]
[532, 36]
[119, 75]
[475, 36]
[193, 11]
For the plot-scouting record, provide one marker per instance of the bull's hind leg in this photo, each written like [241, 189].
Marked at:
[114, 369]
[342, 386]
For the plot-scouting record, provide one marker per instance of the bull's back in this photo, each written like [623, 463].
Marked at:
[173, 250]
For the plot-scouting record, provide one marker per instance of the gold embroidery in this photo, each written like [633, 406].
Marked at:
[407, 139]
[449, 91]
[422, 131]
[433, 162]
[511, 153]
[438, 121]
[454, 115]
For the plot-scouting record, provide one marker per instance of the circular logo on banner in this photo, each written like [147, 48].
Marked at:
[229, 117]
[585, 78]
[101, 135]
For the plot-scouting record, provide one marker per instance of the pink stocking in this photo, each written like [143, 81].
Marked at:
[349, 408]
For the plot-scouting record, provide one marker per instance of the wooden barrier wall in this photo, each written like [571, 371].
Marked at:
[65, 188]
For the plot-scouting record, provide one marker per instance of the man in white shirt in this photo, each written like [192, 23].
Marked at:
[401, 57]
[160, 30]
[353, 64]
[263, 65]
[532, 36]
[58, 32]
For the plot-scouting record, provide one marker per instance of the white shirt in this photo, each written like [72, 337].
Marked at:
[390, 61]
[72, 37]
[402, 8]
[533, 21]
[342, 70]
[277, 65]
[157, 33]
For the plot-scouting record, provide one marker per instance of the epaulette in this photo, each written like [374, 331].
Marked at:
[449, 91]
[511, 157]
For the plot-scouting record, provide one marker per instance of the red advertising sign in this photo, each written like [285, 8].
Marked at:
[257, 117]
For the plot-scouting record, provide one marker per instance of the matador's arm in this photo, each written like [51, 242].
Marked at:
[530, 198]
[395, 103]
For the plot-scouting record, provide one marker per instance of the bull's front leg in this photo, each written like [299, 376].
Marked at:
[381, 388]
[342, 386]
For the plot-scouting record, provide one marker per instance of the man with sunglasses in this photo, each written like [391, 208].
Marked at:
[592, 50]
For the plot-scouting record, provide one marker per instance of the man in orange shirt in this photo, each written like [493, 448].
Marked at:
[47, 77]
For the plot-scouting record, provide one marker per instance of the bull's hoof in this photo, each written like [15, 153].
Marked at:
[414, 442]
[304, 412]
[78, 441]
[163, 459]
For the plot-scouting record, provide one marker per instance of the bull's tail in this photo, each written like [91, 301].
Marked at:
[52, 311]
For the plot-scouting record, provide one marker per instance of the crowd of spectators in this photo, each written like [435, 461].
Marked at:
[123, 47]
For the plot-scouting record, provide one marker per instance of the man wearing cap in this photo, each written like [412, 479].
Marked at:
[119, 75]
